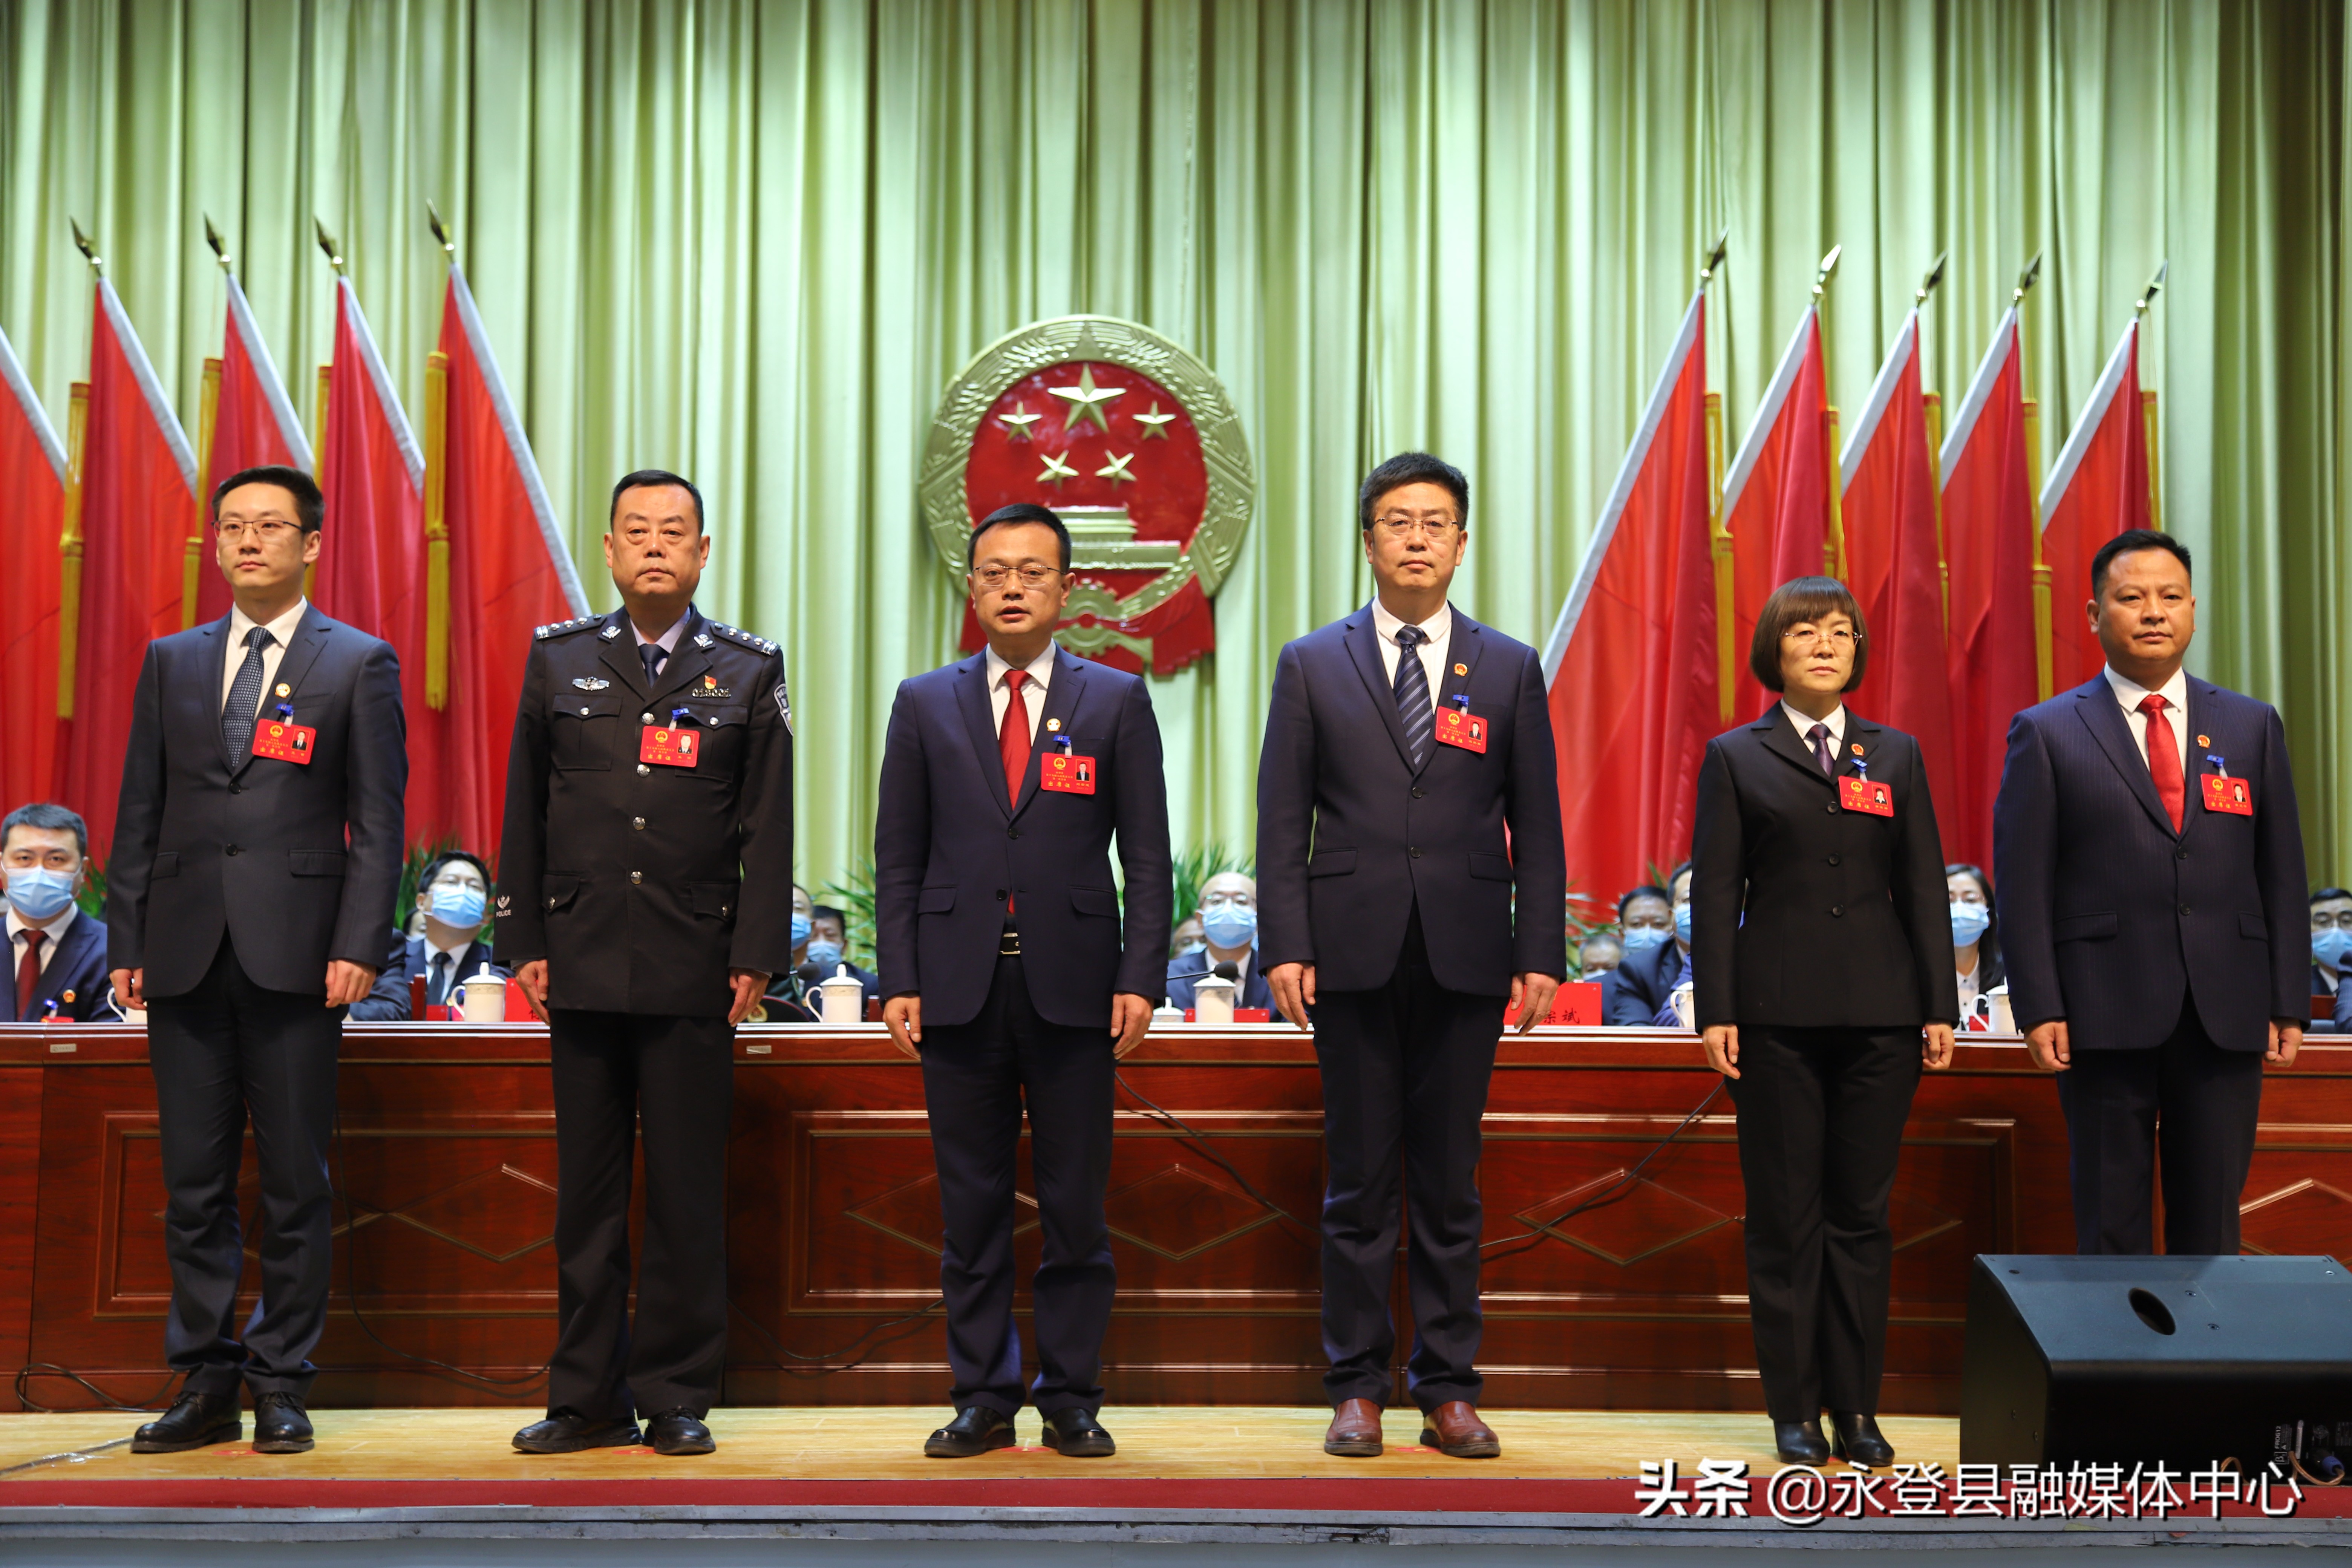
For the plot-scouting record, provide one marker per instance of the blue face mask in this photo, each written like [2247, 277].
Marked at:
[1642, 938]
[1968, 922]
[823, 954]
[456, 905]
[2331, 946]
[802, 925]
[1229, 925]
[38, 894]
[1682, 922]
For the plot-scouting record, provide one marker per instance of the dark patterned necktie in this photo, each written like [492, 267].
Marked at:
[245, 696]
[1412, 695]
[1820, 736]
[655, 656]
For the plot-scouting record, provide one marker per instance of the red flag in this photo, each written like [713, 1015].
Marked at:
[1988, 547]
[137, 501]
[502, 568]
[1776, 498]
[2098, 488]
[370, 566]
[1630, 663]
[1894, 562]
[253, 424]
[32, 516]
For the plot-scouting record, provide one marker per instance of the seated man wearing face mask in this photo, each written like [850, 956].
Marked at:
[57, 957]
[1228, 916]
[828, 937]
[1656, 923]
[453, 895]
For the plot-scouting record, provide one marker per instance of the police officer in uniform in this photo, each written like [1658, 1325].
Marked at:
[645, 900]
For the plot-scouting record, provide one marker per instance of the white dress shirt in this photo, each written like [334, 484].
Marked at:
[1836, 722]
[282, 632]
[52, 935]
[1040, 671]
[2175, 693]
[457, 956]
[1438, 630]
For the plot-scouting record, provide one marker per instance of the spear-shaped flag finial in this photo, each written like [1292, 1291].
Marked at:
[442, 232]
[327, 243]
[88, 251]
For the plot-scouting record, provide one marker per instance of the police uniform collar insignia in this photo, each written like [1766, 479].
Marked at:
[589, 682]
[702, 639]
[612, 631]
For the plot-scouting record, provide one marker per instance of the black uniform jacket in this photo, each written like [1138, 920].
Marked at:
[641, 883]
[1805, 914]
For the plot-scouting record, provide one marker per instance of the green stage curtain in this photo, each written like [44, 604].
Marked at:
[754, 241]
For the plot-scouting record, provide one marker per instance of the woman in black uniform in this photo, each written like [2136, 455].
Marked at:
[1822, 949]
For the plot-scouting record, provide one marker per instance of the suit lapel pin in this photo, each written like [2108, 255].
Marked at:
[1053, 726]
[2204, 740]
[1460, 669]
[286, 691]
[1857, 750]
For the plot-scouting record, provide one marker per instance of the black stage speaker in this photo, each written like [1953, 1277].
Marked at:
[2188, 1360]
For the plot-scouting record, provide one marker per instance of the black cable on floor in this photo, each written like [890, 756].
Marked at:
[25, 1376]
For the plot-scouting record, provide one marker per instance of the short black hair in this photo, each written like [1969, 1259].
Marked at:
[1647, 890]
[440, 862]
[1412, 469]
[49, 816]
[309, 501]
[827, 912]
[646, 479]
[2317, 897]
[1675, 875]
[1794, 602]
[1019, 511]
[2130, 540]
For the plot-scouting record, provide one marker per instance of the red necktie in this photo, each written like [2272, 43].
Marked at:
[1012, 740]
[2164, 758]
[28, 974]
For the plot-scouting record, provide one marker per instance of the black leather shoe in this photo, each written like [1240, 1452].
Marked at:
[975, 1430]
[280, 1425]
[194, 1421]
[1859, 1440]
[1800, 1442]
[566, 1431]
[1076, 1435]
[679, 1431]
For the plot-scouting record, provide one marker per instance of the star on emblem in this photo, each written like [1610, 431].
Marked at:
[1087, 401]
[1017, 424]
[1155, 423]
[1115, 469]
[1055, 471]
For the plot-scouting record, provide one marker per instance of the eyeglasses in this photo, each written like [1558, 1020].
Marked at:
[268, 530]
[1432, 528]
[1032, 575]
[2321, 919]
[1810, 636]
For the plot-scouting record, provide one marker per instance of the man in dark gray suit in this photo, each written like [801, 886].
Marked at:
[256, 854]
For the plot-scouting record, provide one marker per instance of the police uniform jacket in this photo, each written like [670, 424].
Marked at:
[642, 884]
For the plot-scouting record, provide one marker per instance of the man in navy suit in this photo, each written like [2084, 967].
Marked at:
[57, 954]
[1228, 914]
[1405, 796]
[1007, 972]
[256, 854]
[2151, 905]
[453, 894]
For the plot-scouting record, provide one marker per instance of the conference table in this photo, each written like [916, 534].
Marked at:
[1614, 1274]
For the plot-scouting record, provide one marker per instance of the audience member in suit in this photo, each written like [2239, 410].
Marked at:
[56, 953]
[1407, 804]
[453, 892]
[1822, 955]
[1597, 958]
[2331, 950]
[2153, 913]
[1010, 974]
[782, 1002]
[1228, 914]
[825, 956]
[1645, 915]
[258, 849]
[1975, 943]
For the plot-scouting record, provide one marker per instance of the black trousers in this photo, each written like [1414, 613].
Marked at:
[1404, 1070]
[1821, 1127]
[2194, 1100]
[221, 1052]
[976, 1079]
[675, 1077]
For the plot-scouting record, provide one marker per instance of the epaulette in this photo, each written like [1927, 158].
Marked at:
[562, 628]
[758, 645]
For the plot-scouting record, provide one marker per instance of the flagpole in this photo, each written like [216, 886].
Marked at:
[436, 517]
[334, 254]
[2147, 402]
[1931, 408]
[1718, 537]
[2032, 412]
[1833, 541]
[69, 539]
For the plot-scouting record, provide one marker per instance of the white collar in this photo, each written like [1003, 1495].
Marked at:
[1836, 722]
[1386, 624]
[55, 931]
[456, 954]
[1039, 669]
[280, 630]
[2130, 692]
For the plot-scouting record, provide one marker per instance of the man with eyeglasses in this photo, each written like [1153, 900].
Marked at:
[1407, 807]
[256, 854]
[2331, 954]
[1010, 971]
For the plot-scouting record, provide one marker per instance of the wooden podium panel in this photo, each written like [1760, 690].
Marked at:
[1613, 1268]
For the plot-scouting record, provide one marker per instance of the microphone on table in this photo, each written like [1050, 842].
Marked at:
[1229, 970]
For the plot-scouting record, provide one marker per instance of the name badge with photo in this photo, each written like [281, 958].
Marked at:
[1066, 773]
[1458, 728]
[1862, 795]
[282, 740]
[2232, 795]
[678, 748]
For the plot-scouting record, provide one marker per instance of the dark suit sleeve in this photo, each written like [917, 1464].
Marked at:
[1140, 814]
[376, 775]
[1923, 899]
[1718, 891]
[1539, 851]
[1640, 989]
[522, 842]
[1286, 818]
[2344, 1007]
[137, 822]
[2279, 873]
[763, 919]
[902, 847]
[387, 1001]
[2024, 874]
